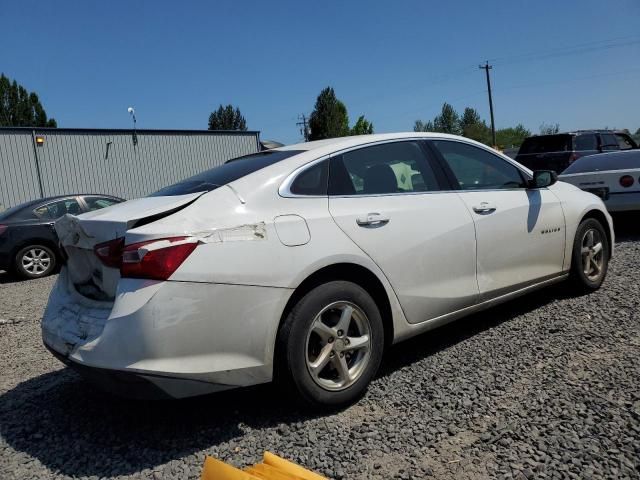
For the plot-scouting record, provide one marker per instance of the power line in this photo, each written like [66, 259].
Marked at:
[569, 80]
[564, 51]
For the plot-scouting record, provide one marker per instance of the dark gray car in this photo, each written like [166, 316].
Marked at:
[28, 241]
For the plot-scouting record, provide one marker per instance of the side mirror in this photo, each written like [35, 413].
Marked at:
[543, 178]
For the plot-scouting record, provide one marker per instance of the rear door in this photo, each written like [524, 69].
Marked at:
[391, 200]
[520, 232]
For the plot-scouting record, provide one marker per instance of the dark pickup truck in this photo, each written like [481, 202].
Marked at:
[558, 151]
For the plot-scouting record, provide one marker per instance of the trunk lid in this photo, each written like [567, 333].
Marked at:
[79, 235]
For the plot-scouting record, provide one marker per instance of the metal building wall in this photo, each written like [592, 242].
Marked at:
[106, 161]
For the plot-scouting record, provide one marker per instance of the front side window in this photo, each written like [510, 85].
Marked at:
[478, 169]
[608, 142]
[398, 167]
[57, 209]
[624, 142]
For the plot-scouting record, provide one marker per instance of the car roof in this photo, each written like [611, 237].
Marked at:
[38, 201]
[579, 132]
[355, 140]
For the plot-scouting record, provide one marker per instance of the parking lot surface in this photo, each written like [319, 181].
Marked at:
[547, 386]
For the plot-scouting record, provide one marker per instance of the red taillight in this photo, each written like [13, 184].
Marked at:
[573, 157]
[626, 181]
[110, 253]
[155, 259]
[3, 228]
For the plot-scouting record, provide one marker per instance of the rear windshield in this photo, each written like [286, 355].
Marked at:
[232, 170]
[19, 212]
[546, 143]
[606, 161]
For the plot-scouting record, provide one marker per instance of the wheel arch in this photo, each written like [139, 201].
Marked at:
[351, 272]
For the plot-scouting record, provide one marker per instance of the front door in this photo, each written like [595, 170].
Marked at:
[387, 198]
[520, 232]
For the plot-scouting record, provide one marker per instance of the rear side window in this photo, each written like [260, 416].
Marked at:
[546, 144]
[232, 170]
[398, 167]
[608, 141]
[54, 210]
[312, 181]
[478, 169]
[18, 212]
[586, 142]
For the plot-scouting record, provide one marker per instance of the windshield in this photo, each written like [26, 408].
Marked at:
[545, 144]
[606, 161]
[230, 171]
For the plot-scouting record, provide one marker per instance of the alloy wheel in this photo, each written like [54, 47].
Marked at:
[592, 254]
[338, 346]
[36, 261]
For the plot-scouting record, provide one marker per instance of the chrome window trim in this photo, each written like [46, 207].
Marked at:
[285, 187]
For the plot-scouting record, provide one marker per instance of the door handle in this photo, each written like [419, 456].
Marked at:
[373, 219]
[484, 207]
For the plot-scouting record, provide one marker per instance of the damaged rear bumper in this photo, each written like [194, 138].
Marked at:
[166, 339]
[140, 385]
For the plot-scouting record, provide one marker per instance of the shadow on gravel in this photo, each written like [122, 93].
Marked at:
[6, 277]
[627, 226]
[79, 431]
[417, 348]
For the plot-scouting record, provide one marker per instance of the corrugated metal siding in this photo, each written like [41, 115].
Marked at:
[77, 161]
[18, 176]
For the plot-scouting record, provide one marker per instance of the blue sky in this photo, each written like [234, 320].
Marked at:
[393, 61]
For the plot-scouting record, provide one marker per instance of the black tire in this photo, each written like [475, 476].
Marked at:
[44, 261]
[580, 280]
[295, 345]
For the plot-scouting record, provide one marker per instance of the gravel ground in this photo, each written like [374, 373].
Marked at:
[547, 386]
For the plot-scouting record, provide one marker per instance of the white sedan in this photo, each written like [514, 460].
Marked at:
[613, 176]
[302, 263]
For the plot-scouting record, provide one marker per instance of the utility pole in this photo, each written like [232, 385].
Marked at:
[304, 126]
[486, 67]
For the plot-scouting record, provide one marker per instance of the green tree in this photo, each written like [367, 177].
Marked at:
[227, 118]
[479, 132]
[421, 126]
[329, 118]
[638, 131]
[362, 127]
[469, 118]
[549, 129]
[448, 121]
[472, 126]
[512, 137]
[20, 108]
